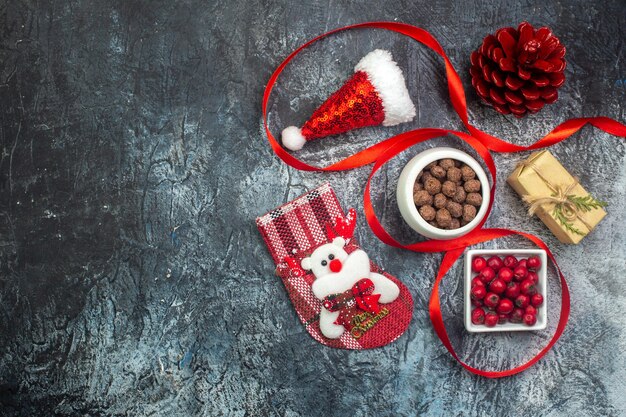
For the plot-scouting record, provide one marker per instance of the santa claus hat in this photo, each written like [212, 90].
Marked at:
[376, 94]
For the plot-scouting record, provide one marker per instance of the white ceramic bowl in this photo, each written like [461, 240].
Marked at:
[542, 288]
[408, 177]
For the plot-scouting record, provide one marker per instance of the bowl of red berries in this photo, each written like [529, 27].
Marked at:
[505, 290]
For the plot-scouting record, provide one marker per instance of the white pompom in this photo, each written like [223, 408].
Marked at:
[293, 138]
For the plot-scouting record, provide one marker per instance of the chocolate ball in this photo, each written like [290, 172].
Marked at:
[418, 186]
[460, 195]
[440, 201]
[475, 199]
[443, 218]
[454, 224]
[438, 172]
[457, 163]
[448, 188]
[427, 212]
[432, 185]
[422, 198]
[425, 176]
[446, 163]
[429, 166]
[469, 212]
[454, 174]
[467, 173]
[433, 224]
[455, 209]
[472, 186]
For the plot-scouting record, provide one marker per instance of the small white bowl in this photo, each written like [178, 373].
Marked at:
[408, 177]
[542, 288]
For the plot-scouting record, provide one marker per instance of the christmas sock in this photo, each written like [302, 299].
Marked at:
[343, 299]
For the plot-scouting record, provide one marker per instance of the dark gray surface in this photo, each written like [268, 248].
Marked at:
[133, 280]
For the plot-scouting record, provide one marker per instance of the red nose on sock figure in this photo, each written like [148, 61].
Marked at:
[376, 94]
[335, 265]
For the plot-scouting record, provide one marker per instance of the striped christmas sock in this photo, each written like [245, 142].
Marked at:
[343, 299]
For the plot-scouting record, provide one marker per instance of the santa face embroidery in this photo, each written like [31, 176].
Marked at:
[346, 285]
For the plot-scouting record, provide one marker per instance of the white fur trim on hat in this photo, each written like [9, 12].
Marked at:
[293, 138]
[387, 79]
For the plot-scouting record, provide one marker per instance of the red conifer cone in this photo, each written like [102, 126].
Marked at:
[519, 71]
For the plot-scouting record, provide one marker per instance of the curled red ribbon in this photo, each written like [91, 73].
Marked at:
[481, 142]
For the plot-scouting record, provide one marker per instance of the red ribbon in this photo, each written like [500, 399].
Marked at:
[480, 141]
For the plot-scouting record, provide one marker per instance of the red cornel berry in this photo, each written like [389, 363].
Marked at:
[528, 287]
[478, 263]
[534, 263]
[518, 71]
[487, 274]
[477, 281]
[536, 300]
[479, 292]
[517, 315]
[497, 286]
[477, 303]
[491, 300]
[530, 319]
[478, 316]
[522, 301]
[491, 319]
[520, 273]
[505, 274]
[505, 306]
[530, 310]
[510, 262]
[495, 263]
[512, 290]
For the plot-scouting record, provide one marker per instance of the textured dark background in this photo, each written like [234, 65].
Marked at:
[132, 165]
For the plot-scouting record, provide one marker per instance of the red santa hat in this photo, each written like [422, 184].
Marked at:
[376, 94]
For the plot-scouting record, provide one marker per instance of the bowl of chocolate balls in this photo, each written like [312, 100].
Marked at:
[443, 193]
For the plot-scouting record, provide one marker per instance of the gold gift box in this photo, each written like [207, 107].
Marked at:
[541, 178]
